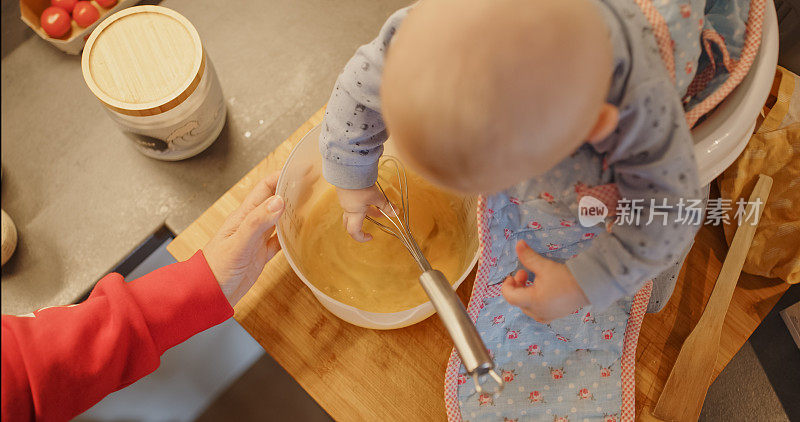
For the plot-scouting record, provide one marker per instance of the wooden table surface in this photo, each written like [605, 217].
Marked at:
[361, 374]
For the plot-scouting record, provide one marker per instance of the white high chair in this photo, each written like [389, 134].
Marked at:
[723, 135]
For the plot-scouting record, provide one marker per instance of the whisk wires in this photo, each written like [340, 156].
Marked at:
[399, 222]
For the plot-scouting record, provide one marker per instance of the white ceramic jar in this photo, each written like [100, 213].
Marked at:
[147, 65]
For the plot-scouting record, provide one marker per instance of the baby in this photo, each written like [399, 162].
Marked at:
[509, 97]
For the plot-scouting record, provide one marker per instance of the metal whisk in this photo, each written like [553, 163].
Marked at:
[468, 343]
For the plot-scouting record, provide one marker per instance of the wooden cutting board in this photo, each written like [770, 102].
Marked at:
[360, 374]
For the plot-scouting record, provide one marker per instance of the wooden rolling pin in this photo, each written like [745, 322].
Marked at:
[687, 385]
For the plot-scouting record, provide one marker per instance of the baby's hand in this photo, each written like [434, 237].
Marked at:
[357, 204]
[554, 294]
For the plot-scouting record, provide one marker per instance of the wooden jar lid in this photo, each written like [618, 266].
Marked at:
[143, 60]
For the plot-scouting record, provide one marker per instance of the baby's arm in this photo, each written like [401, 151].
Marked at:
[353, 131]
[652, 157]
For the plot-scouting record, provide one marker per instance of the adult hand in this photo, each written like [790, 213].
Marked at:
[554, 294]
[245, 243]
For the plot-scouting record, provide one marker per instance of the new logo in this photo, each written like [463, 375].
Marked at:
[591, 211]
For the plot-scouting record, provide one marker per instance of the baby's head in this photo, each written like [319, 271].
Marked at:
[479, 95]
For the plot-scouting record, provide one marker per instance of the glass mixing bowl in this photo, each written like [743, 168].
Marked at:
[301, 184]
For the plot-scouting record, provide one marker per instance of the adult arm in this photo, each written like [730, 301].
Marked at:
[58, 362]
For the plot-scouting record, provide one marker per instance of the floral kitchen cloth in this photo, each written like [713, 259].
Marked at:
[570, 369]
[677, 26]
[575, 367]
[729, 41]
[707, 46]
[542, 211]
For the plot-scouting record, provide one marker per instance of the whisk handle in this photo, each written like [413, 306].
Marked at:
[468, 343]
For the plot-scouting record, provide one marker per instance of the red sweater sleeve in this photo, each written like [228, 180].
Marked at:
[61, 361]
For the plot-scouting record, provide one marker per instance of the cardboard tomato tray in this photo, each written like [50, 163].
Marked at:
[74, 40]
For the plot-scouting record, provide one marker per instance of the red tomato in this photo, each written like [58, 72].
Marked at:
[85, 13]
[56, 22]
[67, 5]
[106, 4]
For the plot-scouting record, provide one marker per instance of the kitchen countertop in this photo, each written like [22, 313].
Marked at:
[83, 198]
[337, 363]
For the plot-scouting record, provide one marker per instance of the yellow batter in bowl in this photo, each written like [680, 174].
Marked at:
[380, 275]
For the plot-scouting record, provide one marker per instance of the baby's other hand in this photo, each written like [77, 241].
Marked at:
[554, 294]
[357, 204]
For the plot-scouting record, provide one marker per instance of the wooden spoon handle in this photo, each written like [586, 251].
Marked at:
[737, 253]
[687, 385]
